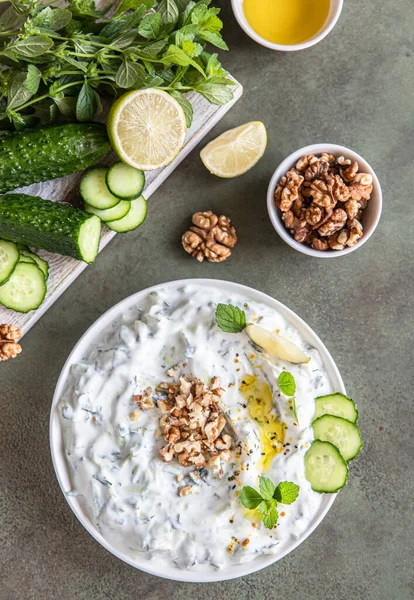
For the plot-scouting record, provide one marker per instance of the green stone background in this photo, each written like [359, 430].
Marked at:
[355, 88]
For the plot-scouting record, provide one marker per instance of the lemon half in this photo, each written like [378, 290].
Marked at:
[146, 128]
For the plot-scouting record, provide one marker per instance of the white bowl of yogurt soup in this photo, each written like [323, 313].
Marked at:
[107, 458]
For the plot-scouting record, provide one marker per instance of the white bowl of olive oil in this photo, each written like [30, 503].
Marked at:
[287, 25]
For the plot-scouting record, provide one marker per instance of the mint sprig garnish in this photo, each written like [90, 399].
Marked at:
[266, 500]
[230, 319]
[287, 383]
[250, 498]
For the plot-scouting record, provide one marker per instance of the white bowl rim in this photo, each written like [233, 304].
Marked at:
[237, 6]
[286, 164]
[173, 573]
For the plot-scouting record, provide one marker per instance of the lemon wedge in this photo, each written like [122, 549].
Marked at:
[146, 128]
[235, 151]
[276, 345]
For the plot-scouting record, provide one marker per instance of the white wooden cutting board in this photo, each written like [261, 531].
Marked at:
[64, 270]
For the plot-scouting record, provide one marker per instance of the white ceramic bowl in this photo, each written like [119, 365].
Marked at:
[333, 16]
[370, 216]
[202, 573]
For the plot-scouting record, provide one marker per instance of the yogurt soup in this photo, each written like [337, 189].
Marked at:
[113, 452]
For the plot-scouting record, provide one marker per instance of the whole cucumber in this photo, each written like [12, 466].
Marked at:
[41, 154]
[50, 226]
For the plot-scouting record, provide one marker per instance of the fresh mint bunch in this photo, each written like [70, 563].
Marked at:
[63, 61]
[266, 499]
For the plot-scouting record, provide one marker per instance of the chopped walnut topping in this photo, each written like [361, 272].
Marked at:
[210, 237]
[9, 348]
[321, 200]
[134, 415]
[144, 401]
[192, 423]
[185, 490]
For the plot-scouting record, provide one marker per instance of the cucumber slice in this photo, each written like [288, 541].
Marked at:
[124, 181]
[110, 214]
[336, 405]
[340, 432]
[9, 257]
[42, 264]
[325, 469]
[135, 217]
[26, 259]
[25, 290]
[94, 190]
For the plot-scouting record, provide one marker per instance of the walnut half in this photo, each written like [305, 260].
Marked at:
[9, 348]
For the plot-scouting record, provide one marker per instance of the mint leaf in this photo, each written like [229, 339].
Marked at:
[213, 38]
[269, 513]
[215, 93]
[150, 26]
[186, 106]
[18, 92]
[168, 11]
[178, 57]
[87, 104]
[287, 383]
[266, 487]
[128, 74]
[9, 18]
[143, 5]
[250, 498]
[32, 46]
[230, 319]
[33, 78]
[53, 18]
[66, 105]
[286, 492]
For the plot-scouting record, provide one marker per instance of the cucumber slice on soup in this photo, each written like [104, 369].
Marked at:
[325, 469]
[336, 405]
[340, 432]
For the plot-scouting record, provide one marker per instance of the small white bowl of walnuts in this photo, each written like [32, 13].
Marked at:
[324, 200]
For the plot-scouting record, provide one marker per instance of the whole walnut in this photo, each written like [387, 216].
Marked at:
[209, 237]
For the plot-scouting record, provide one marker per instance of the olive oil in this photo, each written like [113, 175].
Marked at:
[259, 399]
[286, 22]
